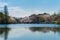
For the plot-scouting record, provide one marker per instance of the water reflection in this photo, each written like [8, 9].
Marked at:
[4, 30]
[30, 33]
[24, 33]
[45, 29]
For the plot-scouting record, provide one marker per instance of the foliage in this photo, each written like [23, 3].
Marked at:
[3, 18]
[42, 19]
[58, 19]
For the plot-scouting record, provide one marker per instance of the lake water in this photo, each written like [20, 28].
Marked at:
[29, 31]
[30, 25]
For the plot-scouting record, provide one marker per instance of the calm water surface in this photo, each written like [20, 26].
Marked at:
[30, 25]
[29, 32]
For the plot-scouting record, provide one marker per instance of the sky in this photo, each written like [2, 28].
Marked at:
[22, 8]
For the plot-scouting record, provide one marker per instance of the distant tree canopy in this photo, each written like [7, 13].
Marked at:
[3, 17]
[33, 15]
[58, 19]
[42, 19]
[36, 18]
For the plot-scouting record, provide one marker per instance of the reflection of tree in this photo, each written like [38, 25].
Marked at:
[6, 33]
[4, 30]
[45, 29]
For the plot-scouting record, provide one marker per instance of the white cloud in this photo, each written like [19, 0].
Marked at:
[21, 12]
[2, 4]
[17, 11]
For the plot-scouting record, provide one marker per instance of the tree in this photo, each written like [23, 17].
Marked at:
[6, 13]
[58, 19]
[42, 19]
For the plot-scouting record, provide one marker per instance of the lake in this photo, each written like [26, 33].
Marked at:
[29, 32]
[30, 25]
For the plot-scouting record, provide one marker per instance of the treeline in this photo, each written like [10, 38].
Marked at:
[5, 19]
[42, 18]
[34, 18]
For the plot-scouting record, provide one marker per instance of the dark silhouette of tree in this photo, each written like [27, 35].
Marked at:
[4, 30]
[6, 33]
[6, 14]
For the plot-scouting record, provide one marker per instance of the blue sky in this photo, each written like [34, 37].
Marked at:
[34, 5]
